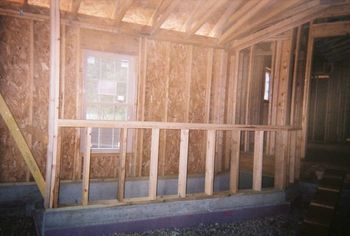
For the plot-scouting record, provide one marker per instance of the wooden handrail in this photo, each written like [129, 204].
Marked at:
[166, 125]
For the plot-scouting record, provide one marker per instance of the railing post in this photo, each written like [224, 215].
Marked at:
[292, 155]
[209, 164]
[280, 159]
[86, 168]
[234, 164]
[153, 175]
[122, 161]
[258, 160]
[183, 163]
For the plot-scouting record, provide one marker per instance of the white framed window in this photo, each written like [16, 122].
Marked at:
[109, 94]
[267, 84]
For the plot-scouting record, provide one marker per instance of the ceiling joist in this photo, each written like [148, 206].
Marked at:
[165, 8]
[121, 7]
[227, 35]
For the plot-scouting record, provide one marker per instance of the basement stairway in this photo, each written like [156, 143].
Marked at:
[321, 215]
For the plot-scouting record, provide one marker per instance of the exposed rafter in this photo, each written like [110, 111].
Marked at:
[279, 27]
[228, 34]
[219, 27]
[162, 13]
[248, 5]
[262, 18]
[204, 13]
[75, 6]
[121, 7]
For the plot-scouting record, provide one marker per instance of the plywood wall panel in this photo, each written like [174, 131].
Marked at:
[176, 109]
[197, 110]
[14, 83]
[70, 81]
[41, 92]
[109, 42]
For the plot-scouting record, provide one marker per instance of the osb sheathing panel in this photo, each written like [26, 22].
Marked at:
[14, 84]
[41, 92]
[197, 110]
[176, 109]
[155, 96]
[109, 42]
[70, 78]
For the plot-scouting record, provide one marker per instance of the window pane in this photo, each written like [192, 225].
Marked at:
[106, 87]
[106, 112]
[94, 137]
[121, 92]
[116, 143]
[120, 113]
[106, 136]
[93, 68]
[107, 68]
[90, 90]
[92, 112]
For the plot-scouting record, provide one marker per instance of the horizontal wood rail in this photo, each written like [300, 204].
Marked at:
[286, 159]
[166, 125]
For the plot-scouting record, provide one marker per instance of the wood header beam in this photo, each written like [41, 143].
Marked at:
[330, 29]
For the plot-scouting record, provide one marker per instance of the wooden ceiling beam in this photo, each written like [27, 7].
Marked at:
[258, 21]
[75, 6]
[219, 27]
[280, 27]
[108, 25]
[121, 7]
[204, 13]
[162, 13]
[330, 29]
[260, 5]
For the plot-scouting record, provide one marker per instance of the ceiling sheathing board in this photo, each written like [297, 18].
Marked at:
[141, 12]
[65, 5]
[180, 15]
[207, 28]
[104, 8]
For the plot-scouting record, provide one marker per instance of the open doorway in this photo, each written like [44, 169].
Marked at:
[329, 103]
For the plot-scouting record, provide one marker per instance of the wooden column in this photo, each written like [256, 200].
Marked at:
[209, 164]
[292, 155]
[234, 164]
[183, 163]
[53, 102]
[153, 175]
[258, 160]
[122, 161]
[86, 169]
[247, 105]
[280, 159]
[308, 69]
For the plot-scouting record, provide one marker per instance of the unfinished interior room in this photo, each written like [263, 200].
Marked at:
[170, 117]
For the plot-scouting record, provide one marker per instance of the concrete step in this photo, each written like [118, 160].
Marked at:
[308, 229]
[319, 215]
[325, 198]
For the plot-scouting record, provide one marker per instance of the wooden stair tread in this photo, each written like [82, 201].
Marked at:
[319, 215]
[334, 173]
[326, 198]
[331, 184]
[308, 229]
